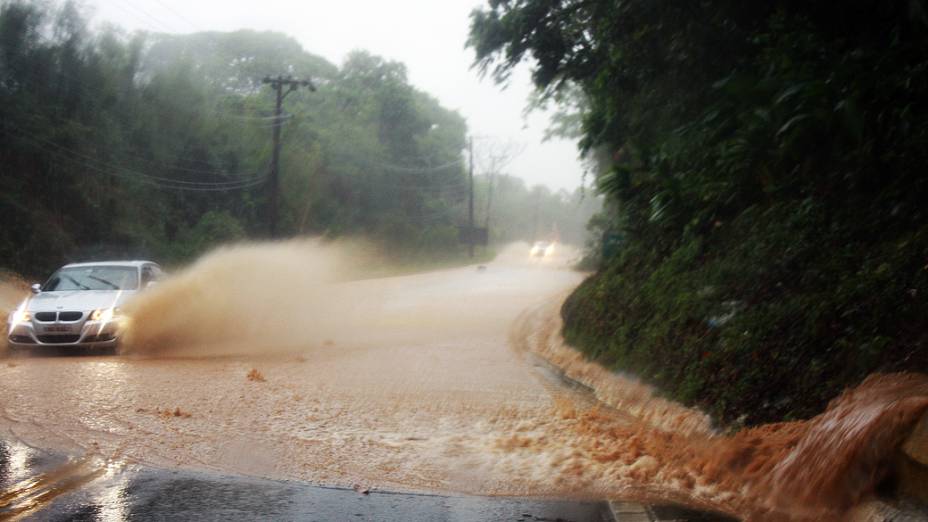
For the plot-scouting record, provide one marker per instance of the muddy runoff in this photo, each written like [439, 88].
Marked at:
[820, 469]
[278, 360]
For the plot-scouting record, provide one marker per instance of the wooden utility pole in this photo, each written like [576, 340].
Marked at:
[486, 223]
[273, 182]
[470, 203]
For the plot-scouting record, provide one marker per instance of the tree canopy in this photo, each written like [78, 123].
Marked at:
[762, 162]
[158, 145]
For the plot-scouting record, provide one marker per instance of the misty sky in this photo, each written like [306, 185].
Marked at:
[427, 35]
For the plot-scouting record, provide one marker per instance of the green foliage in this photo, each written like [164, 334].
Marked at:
[157, 145]
[764, 162]
[213, 229]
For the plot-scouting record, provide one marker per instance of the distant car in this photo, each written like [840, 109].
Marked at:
[79, 305]
[542, 249]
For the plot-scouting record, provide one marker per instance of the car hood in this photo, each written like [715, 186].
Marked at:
[77, 300]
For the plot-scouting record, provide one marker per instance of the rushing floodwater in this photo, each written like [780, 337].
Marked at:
[263, 360]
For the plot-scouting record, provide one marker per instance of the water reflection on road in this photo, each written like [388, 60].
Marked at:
[53, 487]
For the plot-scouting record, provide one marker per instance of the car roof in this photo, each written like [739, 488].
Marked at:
[136, 263]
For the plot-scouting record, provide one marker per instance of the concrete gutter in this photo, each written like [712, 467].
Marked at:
[912, 464]
[916, 446]
[910, 476]
[629, 512]
[634, 512]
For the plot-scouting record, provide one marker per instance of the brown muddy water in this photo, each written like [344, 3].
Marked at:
[276, 361]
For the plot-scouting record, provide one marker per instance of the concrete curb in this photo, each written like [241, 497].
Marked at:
[878, 511]
[635, 512]
[916, 445]
[630, 512]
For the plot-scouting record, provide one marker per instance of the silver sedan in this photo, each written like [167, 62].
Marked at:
[79, 305]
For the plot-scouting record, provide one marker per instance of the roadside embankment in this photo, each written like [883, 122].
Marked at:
[765, 320]
[826, 468]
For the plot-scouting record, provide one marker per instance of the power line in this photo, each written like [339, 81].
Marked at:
[66, 150]
[180, 16]
[119, 172]
[459, 187]
[134, 10]
[400, 168]
[282, 117]
[65, 121]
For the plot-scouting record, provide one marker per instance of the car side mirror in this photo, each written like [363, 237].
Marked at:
[36, 288]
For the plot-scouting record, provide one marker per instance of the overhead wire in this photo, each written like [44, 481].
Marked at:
[400, 168]
[160, 25]
[154, 19]
[125, 8]
[232, 184]
[179, 16]
[283, 119]
[121, 172]
[64, 121]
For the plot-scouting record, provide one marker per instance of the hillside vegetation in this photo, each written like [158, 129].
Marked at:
[158, 145]
[764, 169]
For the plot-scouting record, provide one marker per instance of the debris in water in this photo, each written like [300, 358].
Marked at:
[361, 489]
[168, 413]
[255, 375]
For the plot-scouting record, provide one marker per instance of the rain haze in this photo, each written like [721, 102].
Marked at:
[427, 36]
[299, 260]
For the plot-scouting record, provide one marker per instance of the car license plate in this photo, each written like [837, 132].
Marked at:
[58, 329]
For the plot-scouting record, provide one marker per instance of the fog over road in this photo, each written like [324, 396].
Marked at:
[415, 393]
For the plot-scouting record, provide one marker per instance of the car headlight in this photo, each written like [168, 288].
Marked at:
[104, 314]
[20, 316]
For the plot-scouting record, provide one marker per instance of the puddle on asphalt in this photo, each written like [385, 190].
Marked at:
[60, 488]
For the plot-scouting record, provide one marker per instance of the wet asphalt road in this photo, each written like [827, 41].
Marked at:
[38, 485]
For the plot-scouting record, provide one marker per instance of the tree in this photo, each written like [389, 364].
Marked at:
[758, 153]
[149, 144]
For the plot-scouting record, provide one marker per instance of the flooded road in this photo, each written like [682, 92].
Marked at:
[412, 403]
[264, 362]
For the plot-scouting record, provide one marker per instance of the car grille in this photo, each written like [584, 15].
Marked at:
[59, 339]
[99, 338]
[70, 316]
[46, 316]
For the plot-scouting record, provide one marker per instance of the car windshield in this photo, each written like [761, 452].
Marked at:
[93, 278]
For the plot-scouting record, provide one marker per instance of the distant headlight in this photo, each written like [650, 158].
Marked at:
[549, 250]
[104, 314]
